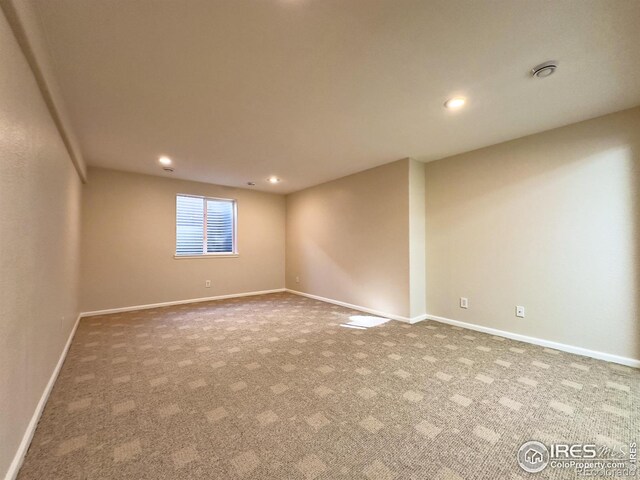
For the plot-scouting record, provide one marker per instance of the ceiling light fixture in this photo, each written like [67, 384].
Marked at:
[164, 161]
[454, 103]
[545, 69]
[273, 179]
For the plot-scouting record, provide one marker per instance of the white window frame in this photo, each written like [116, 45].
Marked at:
[234, 232]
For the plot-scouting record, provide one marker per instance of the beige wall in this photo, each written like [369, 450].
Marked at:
[348, 239]
[39, 238]
[550, 222]
[128, 243]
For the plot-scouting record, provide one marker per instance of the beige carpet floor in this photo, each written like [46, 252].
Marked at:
[273, 387]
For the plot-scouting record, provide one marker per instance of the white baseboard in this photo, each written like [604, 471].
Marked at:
[630, 362]
[360, 308]
[177, 302]
[18, 458]
[419, 318]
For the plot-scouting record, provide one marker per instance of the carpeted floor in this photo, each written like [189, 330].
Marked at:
[272, 387]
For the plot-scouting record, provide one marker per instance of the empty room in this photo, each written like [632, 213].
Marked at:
[319, 239]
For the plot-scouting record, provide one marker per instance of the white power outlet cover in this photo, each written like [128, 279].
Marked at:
[519, 311]
[464, 302]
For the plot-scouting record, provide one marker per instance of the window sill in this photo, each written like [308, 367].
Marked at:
[209, 255]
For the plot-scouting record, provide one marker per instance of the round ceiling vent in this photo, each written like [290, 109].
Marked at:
[545, 69]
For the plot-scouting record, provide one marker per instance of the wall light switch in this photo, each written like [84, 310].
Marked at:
[207, 283]
[464, 302]
[519, 311]
[297, 279]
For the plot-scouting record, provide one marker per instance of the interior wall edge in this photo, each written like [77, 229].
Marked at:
[417, 239]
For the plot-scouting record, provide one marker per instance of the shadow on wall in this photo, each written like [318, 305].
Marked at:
[347, 239]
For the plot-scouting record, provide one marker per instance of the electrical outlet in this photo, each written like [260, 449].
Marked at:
[519, 311]
[297, 279]
[464, 302]
[207, 283]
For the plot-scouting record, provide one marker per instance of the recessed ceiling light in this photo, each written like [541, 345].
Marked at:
[273, 179]
[544, 69]
[454, 103]
[164, 161]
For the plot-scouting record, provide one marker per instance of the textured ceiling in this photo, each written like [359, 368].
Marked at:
[311, 90]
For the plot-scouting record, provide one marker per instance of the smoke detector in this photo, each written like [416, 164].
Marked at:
[168, 169]
[544, 69]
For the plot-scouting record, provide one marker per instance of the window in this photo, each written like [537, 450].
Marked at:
[205, 226]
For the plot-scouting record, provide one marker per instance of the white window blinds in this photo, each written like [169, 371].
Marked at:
[219, 221]
[204, 226]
